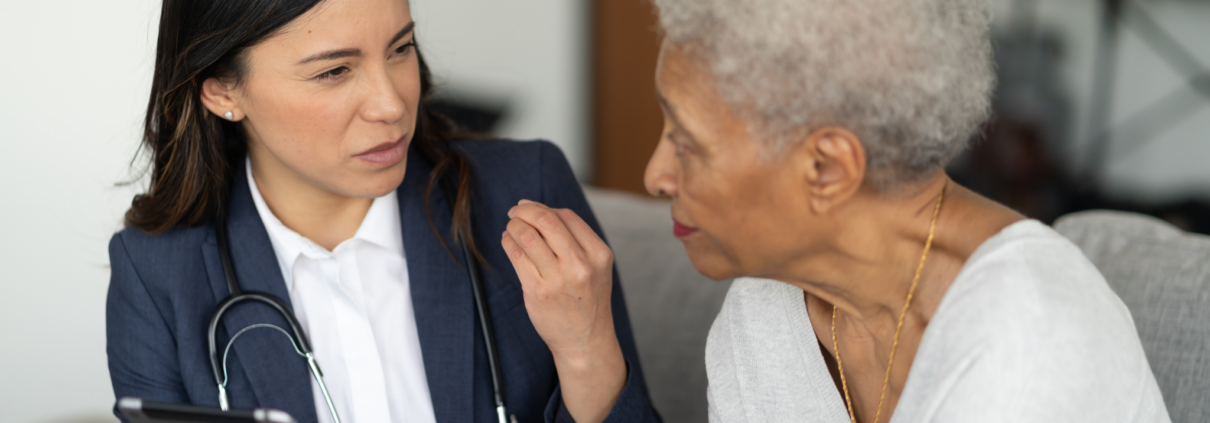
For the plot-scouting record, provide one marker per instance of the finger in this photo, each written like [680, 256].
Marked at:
[580, 231]
[548, 223]
[526, 271]
[588, 239]
[534, 246]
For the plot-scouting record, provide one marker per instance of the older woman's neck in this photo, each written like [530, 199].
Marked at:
[872, 259]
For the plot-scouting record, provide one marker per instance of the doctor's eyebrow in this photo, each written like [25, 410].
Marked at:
[331, 55]
[353, 52]
[407, 29]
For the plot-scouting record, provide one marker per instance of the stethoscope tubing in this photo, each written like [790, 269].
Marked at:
[303, 345]
[481, 311]
[298, 337]
[489, 335]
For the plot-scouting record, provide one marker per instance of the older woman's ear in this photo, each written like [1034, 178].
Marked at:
[832, 162]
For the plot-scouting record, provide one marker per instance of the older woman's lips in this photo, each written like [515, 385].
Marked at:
[682, 231]
[386, 154]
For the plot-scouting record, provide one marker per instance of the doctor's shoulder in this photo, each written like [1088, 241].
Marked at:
[512, 168]
[159, 260]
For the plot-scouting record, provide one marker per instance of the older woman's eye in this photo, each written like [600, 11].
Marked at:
[332, 74]
[681, 149]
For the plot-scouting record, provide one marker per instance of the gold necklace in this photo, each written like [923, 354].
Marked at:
[928, 243]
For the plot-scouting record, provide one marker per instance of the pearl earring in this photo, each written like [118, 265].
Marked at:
[229, 115]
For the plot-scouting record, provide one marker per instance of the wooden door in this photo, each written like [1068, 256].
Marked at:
[626, 117]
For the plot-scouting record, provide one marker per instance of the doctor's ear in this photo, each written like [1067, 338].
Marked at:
[832, 163]
[221, 98]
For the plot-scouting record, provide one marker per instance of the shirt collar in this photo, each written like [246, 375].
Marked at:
[380, 227]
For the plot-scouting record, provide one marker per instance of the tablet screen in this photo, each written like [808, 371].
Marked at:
[139, 411]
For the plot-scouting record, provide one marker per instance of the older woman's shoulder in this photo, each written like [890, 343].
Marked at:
[1030, 313]
[1027, 293]
[1038, 270]
[1028, 277]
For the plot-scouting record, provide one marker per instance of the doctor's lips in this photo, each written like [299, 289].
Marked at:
[387, 153]
[681, 230]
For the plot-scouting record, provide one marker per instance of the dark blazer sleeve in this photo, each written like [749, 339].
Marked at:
[142, 356]
[560, 190]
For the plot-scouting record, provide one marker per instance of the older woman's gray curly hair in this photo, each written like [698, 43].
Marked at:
[911, 78]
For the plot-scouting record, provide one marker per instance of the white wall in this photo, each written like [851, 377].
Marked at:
[1171, 166]
[533, 54]
[73, 83]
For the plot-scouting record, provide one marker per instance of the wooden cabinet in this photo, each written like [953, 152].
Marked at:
[626, 118]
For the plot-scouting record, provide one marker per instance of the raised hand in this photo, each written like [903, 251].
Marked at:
[566, 271]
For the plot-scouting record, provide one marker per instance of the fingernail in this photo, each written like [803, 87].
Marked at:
[510, 212]
[526, 202]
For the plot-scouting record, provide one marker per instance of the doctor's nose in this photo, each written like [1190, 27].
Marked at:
[384, 103]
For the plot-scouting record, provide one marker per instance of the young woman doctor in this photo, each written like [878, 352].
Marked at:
[301, 126]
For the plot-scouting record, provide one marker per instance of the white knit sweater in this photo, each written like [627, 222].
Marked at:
[1028, 332]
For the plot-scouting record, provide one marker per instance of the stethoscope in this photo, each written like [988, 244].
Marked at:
[298, 337]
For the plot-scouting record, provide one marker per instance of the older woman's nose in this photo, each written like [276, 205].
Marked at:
[660, 176]
[383, 103]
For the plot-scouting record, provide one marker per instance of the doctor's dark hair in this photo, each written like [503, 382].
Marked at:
[194, 154]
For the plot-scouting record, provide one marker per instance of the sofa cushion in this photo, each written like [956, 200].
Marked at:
[671, 305]
[1163, 276]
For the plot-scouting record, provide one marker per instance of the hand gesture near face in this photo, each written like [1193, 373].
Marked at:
[566, 271]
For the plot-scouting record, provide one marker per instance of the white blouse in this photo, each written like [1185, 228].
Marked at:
[356, 306]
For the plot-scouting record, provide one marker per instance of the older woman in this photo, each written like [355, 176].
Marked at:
[804, 143]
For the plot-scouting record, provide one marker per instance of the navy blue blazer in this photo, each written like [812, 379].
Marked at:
[164, 287]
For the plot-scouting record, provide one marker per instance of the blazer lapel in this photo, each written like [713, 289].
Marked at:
[441, 297]
[279, 377]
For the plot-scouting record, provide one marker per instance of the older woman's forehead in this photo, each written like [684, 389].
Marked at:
[681, 86]
[690, 99]
[685, 82]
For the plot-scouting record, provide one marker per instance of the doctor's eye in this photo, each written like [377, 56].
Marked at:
[405, 48]
[332, 74]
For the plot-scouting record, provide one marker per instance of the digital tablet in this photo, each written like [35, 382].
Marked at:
[139, 411]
